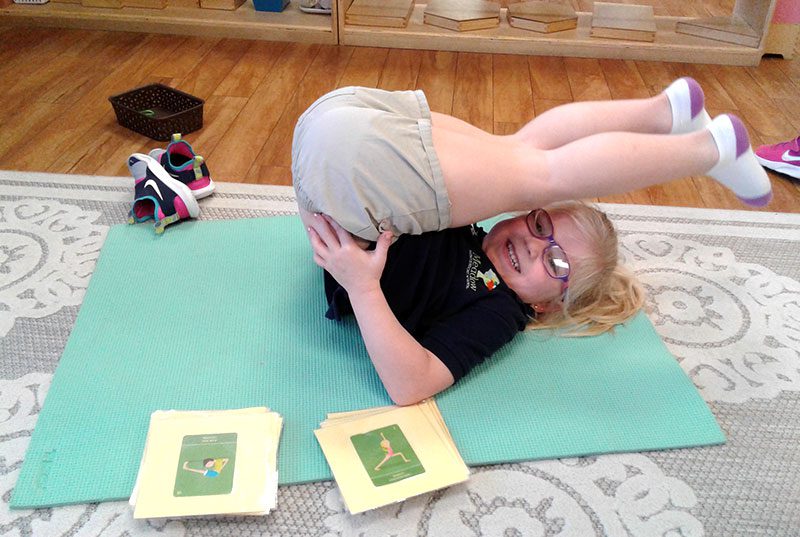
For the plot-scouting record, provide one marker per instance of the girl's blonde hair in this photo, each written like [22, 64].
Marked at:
[602, 293]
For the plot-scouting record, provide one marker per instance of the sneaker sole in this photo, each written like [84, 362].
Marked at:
[205, 191]
[179, 188]
[786, 169]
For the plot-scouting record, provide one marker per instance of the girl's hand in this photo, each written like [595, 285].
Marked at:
[335, 250]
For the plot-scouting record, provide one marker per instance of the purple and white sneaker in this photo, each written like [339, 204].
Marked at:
[783, 157]
[737, 167]
[183, 164]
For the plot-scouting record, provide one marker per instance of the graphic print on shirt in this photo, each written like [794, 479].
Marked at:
[474, 273]
[490, 279]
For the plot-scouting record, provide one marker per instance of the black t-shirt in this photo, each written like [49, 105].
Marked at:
[445, 292]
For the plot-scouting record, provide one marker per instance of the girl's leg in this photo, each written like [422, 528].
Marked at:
[487, 175]
[678, 109]
[567, 123]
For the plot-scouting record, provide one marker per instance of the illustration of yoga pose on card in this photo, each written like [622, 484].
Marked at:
[211, 467]
[387, 447]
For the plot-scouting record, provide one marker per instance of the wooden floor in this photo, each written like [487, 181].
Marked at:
[55, 115]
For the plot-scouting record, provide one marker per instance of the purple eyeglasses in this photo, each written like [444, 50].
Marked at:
[554, 258]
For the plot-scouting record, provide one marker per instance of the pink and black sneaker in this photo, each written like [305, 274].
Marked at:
[157, 195]
[783, 157]
[183, 164]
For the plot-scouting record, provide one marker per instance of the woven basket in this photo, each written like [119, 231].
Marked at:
[157, 111]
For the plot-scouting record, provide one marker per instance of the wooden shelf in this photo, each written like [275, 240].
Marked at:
[294, 25]
[245, 22]
[668, 45]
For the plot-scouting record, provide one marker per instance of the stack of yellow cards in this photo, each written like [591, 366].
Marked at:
[196, 463]
[384, 455]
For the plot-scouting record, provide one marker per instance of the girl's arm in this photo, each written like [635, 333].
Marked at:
[409, 372]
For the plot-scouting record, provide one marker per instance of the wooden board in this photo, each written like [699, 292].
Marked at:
[151, 4]
[221, 4]
[623, 21]
[102, 3]
[387, 13]
[726, 29]
[544, 17]
[464, 16]
[463, 10]
[781, 39]
[541, 11]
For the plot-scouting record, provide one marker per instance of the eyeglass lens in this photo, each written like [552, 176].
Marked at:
[555, 261]
[540, 224]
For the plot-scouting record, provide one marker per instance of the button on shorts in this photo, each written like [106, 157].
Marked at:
[365, 157]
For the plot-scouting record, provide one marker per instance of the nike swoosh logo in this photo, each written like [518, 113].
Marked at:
[153, 184]
[173, 175]
[789, 158]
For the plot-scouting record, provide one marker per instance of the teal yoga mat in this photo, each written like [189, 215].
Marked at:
[229, 314]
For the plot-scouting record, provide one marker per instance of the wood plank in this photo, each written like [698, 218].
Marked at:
[623, 79]
[549, 78]
[28, 87]
[269, 175]
[586, 79]
[219, 113]
[513, 98]
[400, 70]
[465, 10]
[437, 78]
[504, 128]
[233, 156]
[678, 193]
[322, 76]
[365, 67]
[251, 69]
[541, 106]
[104, 149]
[391, 13]
[655, 75]
[725, 28]
[26, 122]
[473, 96]
[71, 85]
[774, 82]
[751, 100]
[209, 73]
[716, 96]
[40, 152]
[623, 21]
[194, 51]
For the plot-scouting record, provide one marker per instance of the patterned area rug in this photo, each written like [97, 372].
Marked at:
[724, 293]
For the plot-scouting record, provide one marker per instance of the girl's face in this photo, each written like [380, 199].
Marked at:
[517, 256]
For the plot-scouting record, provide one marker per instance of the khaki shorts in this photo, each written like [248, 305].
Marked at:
[365, 157]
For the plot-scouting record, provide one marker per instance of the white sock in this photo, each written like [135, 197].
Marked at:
[738, 168]
[681, 93]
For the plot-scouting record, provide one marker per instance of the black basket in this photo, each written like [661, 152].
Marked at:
[158, 111]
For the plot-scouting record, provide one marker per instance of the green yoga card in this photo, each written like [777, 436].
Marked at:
[229, 314]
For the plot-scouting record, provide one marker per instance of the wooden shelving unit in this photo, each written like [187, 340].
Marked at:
[294, 25]
[668, 45]
[244, 22]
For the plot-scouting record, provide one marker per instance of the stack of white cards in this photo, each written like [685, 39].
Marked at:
[201, 463]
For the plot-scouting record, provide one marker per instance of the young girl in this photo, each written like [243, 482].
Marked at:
[371, 165]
